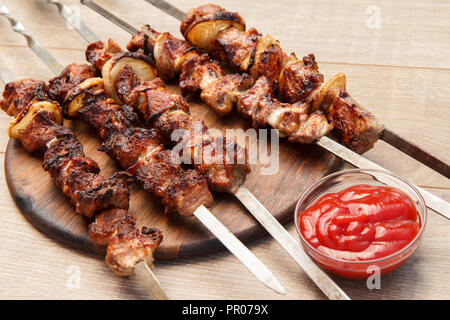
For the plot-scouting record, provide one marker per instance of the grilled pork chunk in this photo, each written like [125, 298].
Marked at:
[97, 53]
[20, 94]
[356, 126]
[293, 120]
[37, 125]
[137, 149]
[72, 75]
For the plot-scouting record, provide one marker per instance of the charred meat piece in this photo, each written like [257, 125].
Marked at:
[156, 100]
[20, 94]
[89, 191]
[293, 120]
[356, 127]
[198, 73]
[104, 115]
[106, 223]
[63, 149]
[237, 48]
[128, 247]
[248, 101]
[180, 191]
[201, 25]
[129, 145]
[299, 79]
[142, 43]
[224, 163]
[71, 76]
[188, 191]
[97, 53]
[269, 60]
[222, 95]
[170, 54]
[41, 130]
[204, 75]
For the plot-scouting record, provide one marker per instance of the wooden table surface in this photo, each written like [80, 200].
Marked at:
[396, 58]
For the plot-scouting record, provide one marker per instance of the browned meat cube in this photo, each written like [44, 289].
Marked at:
[355, 126]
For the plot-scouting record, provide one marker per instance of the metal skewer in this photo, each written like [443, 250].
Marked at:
[74, 20]
[387, 135]
[265, 218]
[202, 213]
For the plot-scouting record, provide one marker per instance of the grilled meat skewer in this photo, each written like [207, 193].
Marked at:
[221, 160]
[137, 149]
[158, 171]
[221, 91]
[295, 79]
[222, 34]
[37, 125]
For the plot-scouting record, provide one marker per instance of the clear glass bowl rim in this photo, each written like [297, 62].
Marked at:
[392, 255]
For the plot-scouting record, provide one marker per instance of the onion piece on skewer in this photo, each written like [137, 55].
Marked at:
[338, 81]
[201, 25]
[19, 124]
[74, 100]
[141, 65]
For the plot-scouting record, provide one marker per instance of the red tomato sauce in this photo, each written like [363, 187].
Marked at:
[360, 223]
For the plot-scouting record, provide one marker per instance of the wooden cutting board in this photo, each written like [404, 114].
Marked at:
[45, 206]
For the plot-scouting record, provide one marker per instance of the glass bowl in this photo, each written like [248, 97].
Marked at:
[341, 180]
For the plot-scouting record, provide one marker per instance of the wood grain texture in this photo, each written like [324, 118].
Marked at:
[400, 72]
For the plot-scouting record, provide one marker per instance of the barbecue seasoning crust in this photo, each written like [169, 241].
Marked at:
[97, 53]
[127, 247]
[72, 75]
[299, 79]
[20, 94]
[356, 127]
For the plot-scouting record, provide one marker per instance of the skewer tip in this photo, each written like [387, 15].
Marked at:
[150, 282]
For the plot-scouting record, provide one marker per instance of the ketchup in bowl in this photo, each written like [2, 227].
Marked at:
[360, 226]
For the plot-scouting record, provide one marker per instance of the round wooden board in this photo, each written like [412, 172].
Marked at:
[49, 210]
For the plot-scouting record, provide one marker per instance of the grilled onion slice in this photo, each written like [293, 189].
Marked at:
[75, 97]
[142, 66]
[287, 61]
[338, 81]
[203, 34]
[19, 124]
[201, 25]
[267, 58]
